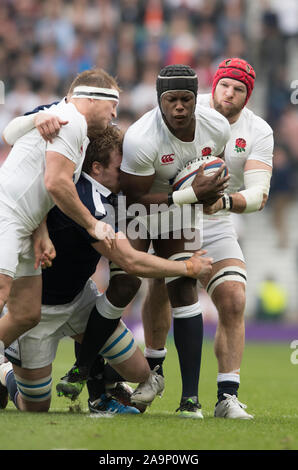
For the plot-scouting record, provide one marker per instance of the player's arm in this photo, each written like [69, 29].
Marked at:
[257, 176]
[136, 188]
[203, 189]
[143, 264]
[47, 125]
[59, 182]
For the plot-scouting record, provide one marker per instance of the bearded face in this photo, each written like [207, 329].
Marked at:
[229, 97]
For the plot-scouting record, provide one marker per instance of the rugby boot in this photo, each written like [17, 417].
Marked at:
[231, 408]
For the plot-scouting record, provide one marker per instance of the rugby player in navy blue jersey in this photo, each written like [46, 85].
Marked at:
[69, 296]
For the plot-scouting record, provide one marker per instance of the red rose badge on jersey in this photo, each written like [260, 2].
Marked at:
[240, 145]
[206, 151]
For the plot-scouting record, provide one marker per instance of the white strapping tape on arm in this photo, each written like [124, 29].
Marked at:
[18, 127]
[257, 183]
[184, 196]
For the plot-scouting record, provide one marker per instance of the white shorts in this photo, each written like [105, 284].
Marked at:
[16, 247]
[38, 346]
[220, 239]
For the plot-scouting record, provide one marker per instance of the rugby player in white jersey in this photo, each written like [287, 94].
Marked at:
[248, 156]
[36, 176]
[70, 297]
[155, 148]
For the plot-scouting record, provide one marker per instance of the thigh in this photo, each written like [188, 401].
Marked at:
[79, 310]
[5, 288]
[9, 245]
[25, 297]
[182, 291]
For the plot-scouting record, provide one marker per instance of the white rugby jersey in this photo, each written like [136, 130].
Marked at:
[251, 139]
[22, 185]
[150, 148]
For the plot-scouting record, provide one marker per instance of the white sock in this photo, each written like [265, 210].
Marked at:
[155, 353]
[233, 376]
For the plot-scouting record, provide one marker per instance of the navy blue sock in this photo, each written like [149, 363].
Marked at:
[156, 361]
[111, 375]
[226, 387]
[98, 330]
[95, 382]
[12, 387]
[188, 337]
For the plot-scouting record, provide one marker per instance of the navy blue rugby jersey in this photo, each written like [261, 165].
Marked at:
[76, 259]
[42, 107]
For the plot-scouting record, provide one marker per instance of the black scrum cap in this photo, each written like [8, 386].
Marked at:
[176, 77]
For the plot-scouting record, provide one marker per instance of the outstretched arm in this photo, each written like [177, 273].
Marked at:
[143, 264]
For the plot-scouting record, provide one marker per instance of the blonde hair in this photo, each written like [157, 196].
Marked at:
[94, 77]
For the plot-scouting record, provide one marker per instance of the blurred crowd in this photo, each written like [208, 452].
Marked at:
[44, 44]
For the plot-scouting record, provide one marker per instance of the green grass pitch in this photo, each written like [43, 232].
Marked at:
[268, 385]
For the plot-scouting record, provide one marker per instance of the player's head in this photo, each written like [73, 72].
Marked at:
[176, 77]
[103, 158]
[96, 94]
[177, 83]
[235, 69]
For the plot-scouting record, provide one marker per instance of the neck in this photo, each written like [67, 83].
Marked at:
[80, 104]
[185, 134]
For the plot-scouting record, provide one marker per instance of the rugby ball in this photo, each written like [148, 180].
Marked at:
[185, 177]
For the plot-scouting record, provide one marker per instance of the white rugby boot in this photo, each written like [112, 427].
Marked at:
[231, 408]
[145, 392]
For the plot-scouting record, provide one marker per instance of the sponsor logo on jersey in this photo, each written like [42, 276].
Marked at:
[167, 159]
[240, 145]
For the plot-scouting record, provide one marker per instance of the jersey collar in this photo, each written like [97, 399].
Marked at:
[100, 187]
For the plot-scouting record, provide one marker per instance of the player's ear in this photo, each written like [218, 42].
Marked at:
[97, 168]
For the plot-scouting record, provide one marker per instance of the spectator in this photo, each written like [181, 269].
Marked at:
[271, 301]
[281, 195]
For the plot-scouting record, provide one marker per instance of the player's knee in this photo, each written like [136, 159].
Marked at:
[136, 369]
[231, 306]
[122, 289]
[41, 407]
[140, 373]
[34, 395]
[182, 291]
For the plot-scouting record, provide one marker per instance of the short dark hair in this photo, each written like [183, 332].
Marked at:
[100, 147]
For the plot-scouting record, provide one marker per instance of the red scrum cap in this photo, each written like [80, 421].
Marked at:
[238, 69]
